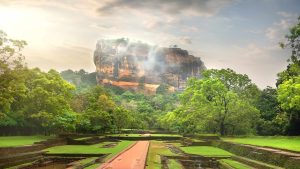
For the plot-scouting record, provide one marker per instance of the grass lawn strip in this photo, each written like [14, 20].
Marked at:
[177, 144]
[206, 151]
[235, 164]
[87, 160]
[281, 142]
[13, 141]
[156, 149]
[82, 138]
[94, 166]
[89, 149]
[174, 164]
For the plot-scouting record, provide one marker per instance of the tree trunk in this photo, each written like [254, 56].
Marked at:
[222, 128]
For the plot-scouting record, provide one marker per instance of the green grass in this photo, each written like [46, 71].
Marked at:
[82, 138]
[207, 134]
[21, 165]
[127, 135]
[197, 140]
[8, 141]
[87, 160]
[174, 164]
[94, 166]
[177, 144]
[235, 164]
[207, 151]
[282, 142]
[166, 135]
[156, 149]
[89, 149]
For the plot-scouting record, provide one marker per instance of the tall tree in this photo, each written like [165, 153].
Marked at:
[11, 63]
[215, 104]
[288, 82]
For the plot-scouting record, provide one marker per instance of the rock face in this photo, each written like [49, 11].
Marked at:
[138, 66]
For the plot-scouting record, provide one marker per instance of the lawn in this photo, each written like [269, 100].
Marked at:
[235, 164]
[282, 142]
[89, 149]
[8, 141]
[156, 149]
[173, 164]
[206, 151]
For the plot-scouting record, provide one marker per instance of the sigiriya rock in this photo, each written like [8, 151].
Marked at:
[136, 65]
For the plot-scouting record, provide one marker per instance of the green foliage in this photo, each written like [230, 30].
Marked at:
[289, 94]
[81, 79]
[29, 98]
[215, 103]
[272, 121]
[11, 81]
[162, 89]
[288, 82]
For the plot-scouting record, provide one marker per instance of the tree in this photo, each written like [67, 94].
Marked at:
[272, 121]
[239, 83]
[47, 100]
[162, 89]
[11, 81]
[216, 104]
[288, 82]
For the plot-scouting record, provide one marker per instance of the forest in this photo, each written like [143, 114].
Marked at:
[221, 102]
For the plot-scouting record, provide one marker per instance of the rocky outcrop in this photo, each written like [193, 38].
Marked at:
[136, 65]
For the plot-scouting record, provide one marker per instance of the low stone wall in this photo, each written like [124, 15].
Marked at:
[203, 137]
[144, 138]
[73, 155]
[276, 157]
[87, 141]
[7, 151]
[191, 142]
[12, 160]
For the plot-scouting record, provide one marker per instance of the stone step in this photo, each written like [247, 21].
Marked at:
[16, 157]
[254, 163]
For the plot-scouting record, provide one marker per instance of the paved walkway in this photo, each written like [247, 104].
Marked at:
[133, 158]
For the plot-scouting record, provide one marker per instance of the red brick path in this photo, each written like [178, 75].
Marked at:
[133, 158]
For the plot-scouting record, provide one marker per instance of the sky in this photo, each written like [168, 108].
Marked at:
[239, 34]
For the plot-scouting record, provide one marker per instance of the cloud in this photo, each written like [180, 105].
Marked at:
[151, 23]
[278, 29]
[284, 14]
[185, 40]
[173, 7]
[190, 29]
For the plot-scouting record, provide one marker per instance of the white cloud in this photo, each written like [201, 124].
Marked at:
[284, 14]
[172, 7]
[185, 40]
[278, 29]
